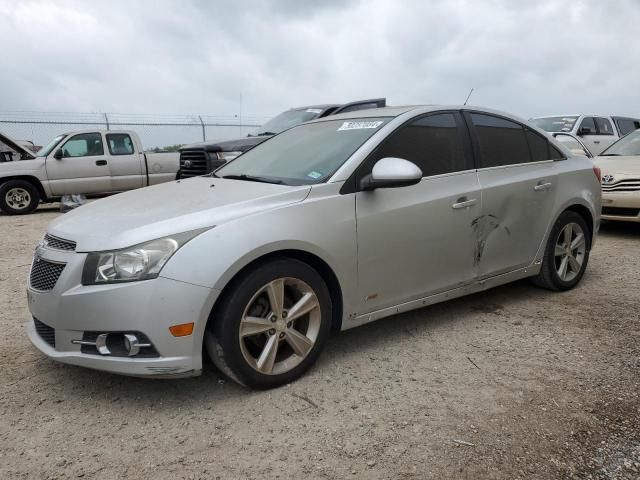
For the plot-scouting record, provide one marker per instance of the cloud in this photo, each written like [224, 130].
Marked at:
[529, 58]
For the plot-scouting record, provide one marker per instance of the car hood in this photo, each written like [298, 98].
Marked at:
[238, 145]
[154, 212]
[622, 165]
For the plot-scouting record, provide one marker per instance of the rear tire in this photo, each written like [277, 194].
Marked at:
[566, 254]
[18, 197]
[271, 325]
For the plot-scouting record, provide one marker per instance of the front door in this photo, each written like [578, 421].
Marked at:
[83, 167]
[418, 240]
[597, 133]
[517, 174]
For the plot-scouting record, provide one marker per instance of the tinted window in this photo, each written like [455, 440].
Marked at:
[433, 143]
[119, 144]
[590, 124]
[500, 141]
[83, 145]
[627, 125]
[538, 146]
[604, 126]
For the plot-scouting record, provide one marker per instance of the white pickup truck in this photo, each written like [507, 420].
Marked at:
[597, 131]
[85, 162]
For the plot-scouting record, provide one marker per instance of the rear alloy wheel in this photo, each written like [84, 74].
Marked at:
[273, 325]
[567, 253]
[18, 197]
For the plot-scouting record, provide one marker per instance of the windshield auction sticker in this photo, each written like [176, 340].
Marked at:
[359, 125]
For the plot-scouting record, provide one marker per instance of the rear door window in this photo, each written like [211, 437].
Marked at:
[500, 141]
[435, 143]
[119, 144]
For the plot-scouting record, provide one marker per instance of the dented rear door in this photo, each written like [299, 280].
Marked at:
[518, 181]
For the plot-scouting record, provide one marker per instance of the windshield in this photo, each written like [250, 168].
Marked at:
[305, 154]
[555, 124]
[626, 146]
[47, 150]
[288, 119]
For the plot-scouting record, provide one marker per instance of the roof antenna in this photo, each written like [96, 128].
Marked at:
[468, 96]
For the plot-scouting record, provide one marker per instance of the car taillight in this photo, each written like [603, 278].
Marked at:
[598, 173]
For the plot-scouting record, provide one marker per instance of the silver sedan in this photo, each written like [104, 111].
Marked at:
[324, 227]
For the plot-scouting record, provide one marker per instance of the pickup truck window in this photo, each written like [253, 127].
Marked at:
[83, 145]
[119, 144]
[604, 126]
[588, 122]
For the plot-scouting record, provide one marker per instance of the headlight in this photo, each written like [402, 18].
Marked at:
[140, 262]
[227, 156]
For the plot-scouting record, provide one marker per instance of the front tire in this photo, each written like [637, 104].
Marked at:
[566, 254]
[18, 197]
[272, 324]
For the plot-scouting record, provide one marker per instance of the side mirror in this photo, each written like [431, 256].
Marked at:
[58, 154]
[584, 131]
[391, 173]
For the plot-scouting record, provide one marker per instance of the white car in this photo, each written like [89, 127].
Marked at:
[326, 226]
[597, 131]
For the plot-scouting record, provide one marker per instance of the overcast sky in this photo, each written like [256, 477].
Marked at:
[528, 58]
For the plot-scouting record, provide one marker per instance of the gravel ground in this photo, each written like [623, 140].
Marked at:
[512, 383]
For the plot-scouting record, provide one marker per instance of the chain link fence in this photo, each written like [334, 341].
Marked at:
[155, 131]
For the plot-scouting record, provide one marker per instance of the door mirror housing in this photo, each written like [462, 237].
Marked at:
[391, 173]
[584, 131]
[58, 154]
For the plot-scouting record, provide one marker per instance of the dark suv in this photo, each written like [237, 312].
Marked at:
[202, 158]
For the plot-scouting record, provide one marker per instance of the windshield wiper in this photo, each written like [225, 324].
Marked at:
[262, 134]
[253, 178]
[610, 155]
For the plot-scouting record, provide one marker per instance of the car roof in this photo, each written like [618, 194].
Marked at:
[418, 109]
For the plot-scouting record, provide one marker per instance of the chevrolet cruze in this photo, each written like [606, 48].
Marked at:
[324, 227]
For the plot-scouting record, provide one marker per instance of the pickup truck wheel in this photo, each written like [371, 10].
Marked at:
[18, 197]
[272, 325]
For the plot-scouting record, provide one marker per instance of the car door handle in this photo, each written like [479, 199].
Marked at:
[101, 162]
[464, 203]
[542, 186]
[596, 141]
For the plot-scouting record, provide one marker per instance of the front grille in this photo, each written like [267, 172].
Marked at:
[59, 243]
[47, 333]
[626, 185]
[621, 212]
[44, 274]
[193, 162]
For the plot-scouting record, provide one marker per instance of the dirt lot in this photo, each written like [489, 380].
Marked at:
[512, 383]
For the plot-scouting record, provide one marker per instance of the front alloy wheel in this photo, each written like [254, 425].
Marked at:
[280, 326]
[271, 324]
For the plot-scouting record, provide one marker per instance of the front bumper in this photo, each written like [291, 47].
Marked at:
[149, 307]
[621, 206]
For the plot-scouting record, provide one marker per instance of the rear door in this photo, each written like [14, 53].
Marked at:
[124, 163]
[518, 180]
[83, 167]
[417, 240]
